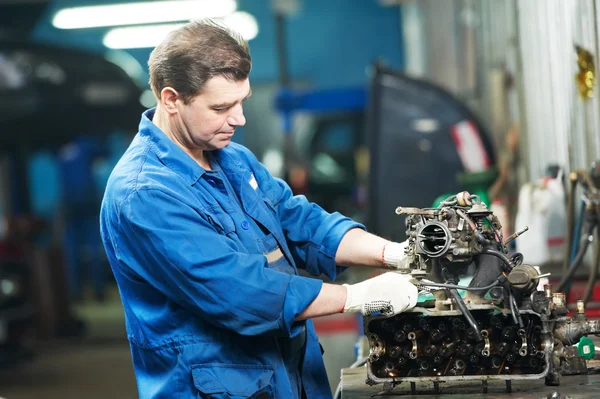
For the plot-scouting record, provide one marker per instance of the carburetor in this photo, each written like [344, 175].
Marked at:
[498, 326]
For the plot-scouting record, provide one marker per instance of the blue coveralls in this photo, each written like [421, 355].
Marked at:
[207, 315]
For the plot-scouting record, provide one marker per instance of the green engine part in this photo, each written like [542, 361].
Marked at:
[586, 348]
[476, 183]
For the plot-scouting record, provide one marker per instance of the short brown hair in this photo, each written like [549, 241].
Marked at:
[193, 54]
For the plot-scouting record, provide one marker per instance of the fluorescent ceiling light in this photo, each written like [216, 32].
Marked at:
[151, 35]
[243, 23]
[138, 36]
[142, 13]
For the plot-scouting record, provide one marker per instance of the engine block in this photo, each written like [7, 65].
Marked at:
[499, 326]
[418, 345]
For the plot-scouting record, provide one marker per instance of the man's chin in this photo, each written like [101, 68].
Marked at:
[219, 145]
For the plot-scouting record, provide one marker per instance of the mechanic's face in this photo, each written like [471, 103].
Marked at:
[209, 121]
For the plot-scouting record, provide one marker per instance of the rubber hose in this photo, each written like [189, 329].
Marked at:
[577, 261]
[465, 311]
[594, 268]
[515, 310]
[570, 223]
[500, 255]
[575, 243]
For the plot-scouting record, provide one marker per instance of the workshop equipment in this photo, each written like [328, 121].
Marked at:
[503, 328]
[588, 224]
[542, 209]
[420, 139]
[477, 183]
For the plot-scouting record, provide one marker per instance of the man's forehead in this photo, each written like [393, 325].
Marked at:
[220, 87]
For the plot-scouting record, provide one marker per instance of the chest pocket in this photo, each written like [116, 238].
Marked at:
[221, 221]
[265, 213]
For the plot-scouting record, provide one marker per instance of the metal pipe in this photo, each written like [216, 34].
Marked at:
[467, 219]
[515, 235]
[569, 333]
[459, 287]
[282, 54]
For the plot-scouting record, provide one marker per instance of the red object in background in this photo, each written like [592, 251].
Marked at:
[19, 234]
[337, 324]
[469, 146]
[298, 179]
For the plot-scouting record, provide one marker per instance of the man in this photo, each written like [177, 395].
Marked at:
[205, 244]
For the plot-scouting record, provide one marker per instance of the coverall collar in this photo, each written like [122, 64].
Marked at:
[167, 151]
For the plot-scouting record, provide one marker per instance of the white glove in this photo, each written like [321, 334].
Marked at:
[390, 293]
[393, 254]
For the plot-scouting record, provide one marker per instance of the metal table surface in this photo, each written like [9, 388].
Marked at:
[572, 387]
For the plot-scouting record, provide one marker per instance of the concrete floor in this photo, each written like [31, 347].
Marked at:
[98, 366]
[73, 371]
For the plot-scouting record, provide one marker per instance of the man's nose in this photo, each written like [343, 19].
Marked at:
[236, 118]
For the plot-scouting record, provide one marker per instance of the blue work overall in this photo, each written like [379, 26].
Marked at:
[207, 267]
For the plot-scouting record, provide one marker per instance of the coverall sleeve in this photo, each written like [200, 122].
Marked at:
[169, 244]
[313, 234]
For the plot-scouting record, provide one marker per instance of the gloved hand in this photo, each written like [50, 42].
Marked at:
[393, 255]
[389, 293]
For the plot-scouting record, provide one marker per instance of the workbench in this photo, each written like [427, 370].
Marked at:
[572, 387]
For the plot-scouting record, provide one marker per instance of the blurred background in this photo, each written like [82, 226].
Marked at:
[361, 105]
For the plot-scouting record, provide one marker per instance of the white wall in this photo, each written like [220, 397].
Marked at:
[561, 127]
[470, 45]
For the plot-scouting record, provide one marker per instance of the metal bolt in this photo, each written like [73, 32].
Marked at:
[395, 352]
[435, 334]
[400, 336]
[580, 307]
[548, 290]
[508, 332]
[573, 176]
[559, 299]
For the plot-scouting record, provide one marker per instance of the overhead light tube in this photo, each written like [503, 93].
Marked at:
[151, 35]
[147, 12]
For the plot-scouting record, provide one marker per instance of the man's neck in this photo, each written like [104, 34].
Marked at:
[161, 120]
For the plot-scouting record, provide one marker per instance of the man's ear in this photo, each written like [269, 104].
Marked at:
[168, 99]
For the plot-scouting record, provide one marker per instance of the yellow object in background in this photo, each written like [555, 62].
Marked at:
[586, 76]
